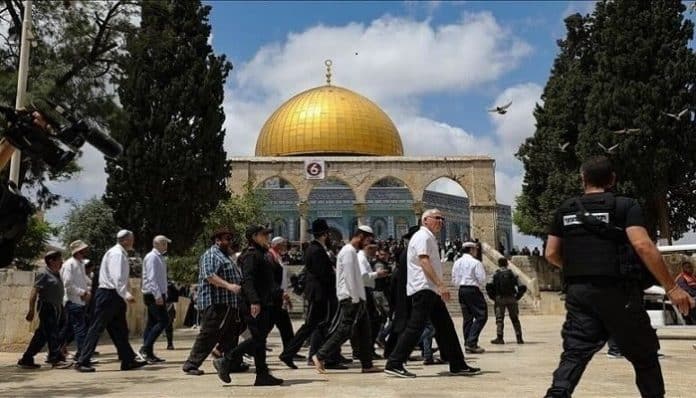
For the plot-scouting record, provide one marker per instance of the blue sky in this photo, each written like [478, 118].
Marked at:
[434, 67]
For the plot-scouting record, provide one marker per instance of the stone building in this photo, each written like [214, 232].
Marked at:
[331, 153]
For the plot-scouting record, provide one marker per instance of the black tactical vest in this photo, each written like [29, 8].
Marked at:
[585, 252]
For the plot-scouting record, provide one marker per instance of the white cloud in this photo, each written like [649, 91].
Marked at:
[582, 7]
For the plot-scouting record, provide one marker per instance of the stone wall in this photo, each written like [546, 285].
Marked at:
[548, 277]
[15, 288]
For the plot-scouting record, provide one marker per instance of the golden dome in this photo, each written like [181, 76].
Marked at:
[329, 120]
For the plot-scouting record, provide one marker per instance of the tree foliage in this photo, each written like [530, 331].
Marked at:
[173, 170]
[72, 61]
[235, 213]
[634, 66]
[33, 244]
[92, 222]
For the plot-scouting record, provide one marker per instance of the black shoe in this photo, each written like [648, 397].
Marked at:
[398, 372]
[498, 340]
[288, 362]
[223, 369]
[193, 371]
[27, 364]
[84, 368]
[267, 380]
[433, 361]
[335, 366]
[241, 368]
[465, 371]
[474, 350]
[152, 358]
[170, 347]
[133, 364]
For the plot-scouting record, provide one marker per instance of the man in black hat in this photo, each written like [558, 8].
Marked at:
[320, 293]
[219, 289]
[259, 289]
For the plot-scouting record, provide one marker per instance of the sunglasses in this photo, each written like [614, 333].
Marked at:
[439, 218]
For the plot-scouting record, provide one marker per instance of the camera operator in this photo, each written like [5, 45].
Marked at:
[7, 150]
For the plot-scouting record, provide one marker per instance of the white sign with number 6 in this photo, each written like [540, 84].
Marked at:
[314, 169]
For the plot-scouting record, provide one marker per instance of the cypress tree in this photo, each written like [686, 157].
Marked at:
[173, 170]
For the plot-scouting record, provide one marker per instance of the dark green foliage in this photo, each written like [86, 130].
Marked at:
[636, 67]
[33, 244]
[173, 170]
[92, 222]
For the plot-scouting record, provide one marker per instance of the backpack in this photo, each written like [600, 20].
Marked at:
[506, 283]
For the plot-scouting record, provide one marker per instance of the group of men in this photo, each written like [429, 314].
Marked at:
[72, 303]
[597, 238]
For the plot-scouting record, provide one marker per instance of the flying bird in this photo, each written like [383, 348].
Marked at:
[679, 115]
[610, 150]
[627, 131]
[563, 147]
[501, 110]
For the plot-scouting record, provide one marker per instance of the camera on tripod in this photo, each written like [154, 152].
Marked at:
[58, 142]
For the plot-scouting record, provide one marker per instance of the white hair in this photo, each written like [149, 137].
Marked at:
[160, 239]
[428, 213]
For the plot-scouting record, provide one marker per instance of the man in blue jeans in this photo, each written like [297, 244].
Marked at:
[154, 288]
[77, 292]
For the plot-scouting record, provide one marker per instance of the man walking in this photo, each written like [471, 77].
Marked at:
[48, 291]
[77, 292]
[505, 290]
[259, 290]
[427, 291]
[350, 292]
[110, 306]
[594, 239]
[219, 289]
[469, 275]
[320, 293]
[154, 288]
[280, 318]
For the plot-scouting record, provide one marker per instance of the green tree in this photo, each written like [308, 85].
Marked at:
[72, 61]
[92, 222]
[551, 173]
[636, 66]
[173, 170]
[645, 69]
[33, 244]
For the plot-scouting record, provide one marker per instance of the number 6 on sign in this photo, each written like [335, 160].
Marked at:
[314, 169]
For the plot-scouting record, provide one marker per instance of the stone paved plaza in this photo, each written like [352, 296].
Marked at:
[509, 371]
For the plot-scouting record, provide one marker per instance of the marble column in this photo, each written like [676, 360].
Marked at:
[418, 211]
[361, 212]
[303, 208]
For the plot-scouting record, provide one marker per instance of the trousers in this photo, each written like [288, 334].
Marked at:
[219, 322]
[509, 304]
[280, 318]
[256, 345]
[474, 313]
[47, 332]
[157, 322]
[352, 316]
[596, 311]
[317, 320]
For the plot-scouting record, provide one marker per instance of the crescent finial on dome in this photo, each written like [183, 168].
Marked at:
[328, 64]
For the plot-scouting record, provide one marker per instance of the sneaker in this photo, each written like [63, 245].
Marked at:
[614, 355]
[465, 371]
[267, 380]
[133, 364]
[61, 364]
[84, 368]
[499, 340]
[223, 369]
[152, 358]
[27, 364]
[141, 354]
[288, 362]
[398, 372]
[475, 350]
[193, 371]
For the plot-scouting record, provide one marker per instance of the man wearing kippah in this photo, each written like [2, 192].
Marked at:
[110, 306]
[77, 292]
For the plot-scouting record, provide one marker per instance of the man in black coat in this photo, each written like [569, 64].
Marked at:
[320, 293]
[259, 289]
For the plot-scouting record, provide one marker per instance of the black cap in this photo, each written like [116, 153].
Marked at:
[255, 229]
[411, 231]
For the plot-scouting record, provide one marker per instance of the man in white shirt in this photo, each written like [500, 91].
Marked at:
[350, 291]
[468, 273]
[110, 306]
[369, 277]
[77, 291]
[154, 288]
[428, 292]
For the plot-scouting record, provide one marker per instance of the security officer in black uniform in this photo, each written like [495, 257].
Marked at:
[602, 300]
